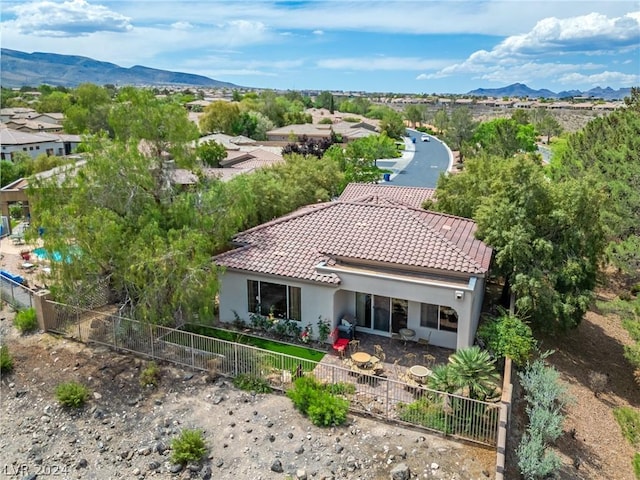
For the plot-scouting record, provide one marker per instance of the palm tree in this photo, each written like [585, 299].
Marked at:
[473, 372]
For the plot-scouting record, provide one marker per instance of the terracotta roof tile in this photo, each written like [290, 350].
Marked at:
[412, 196]
[293, 245]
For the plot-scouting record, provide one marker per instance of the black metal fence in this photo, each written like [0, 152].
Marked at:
[381, 396]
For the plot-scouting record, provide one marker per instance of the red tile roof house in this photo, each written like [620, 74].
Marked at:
[384, 263]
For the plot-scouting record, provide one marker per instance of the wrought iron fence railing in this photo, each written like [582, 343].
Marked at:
[384, 397]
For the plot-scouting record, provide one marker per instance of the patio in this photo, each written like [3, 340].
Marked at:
[406, 354]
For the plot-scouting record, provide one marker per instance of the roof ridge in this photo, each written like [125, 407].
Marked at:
[419, 214]
[443, 237]
[300, 212]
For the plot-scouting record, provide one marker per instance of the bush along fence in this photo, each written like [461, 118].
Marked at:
[382, 397]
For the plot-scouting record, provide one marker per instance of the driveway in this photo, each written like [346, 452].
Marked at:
[421, 162]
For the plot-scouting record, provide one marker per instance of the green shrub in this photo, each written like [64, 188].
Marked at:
[542, 386]
[303, 393]
[150, 376]
[425, 413]
[636, 465]
[635, 289]
[545, 399]
[508, 336]
[317, 402]
[534, 461]
[629, 421]
[26, 320]
[188, 447]
[341, 388]
[547, 423]
[6, 360]
[251, 383]
[72, 394]
[632, 354]
[328, 410]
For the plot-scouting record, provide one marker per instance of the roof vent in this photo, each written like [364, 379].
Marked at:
[446, 227]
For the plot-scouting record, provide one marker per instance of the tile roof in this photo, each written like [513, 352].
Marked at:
[390, 234]
[412, 196]
[9, 136]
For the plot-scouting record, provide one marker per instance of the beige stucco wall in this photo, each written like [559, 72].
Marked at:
[317, 301]
[332, 302]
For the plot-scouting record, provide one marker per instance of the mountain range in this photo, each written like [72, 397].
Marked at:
[20, 68]
[521, 90]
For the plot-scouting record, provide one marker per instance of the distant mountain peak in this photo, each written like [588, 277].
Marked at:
[20, 68]
[522, 90]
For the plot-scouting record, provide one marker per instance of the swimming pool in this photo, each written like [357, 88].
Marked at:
[42, 254]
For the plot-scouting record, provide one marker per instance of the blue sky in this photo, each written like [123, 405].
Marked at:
[376, 46]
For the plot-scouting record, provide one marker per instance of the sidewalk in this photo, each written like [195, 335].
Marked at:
[401, 163]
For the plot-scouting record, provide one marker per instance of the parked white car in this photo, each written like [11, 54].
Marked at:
[425, 138]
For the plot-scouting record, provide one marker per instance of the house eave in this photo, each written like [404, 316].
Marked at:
[465, 283]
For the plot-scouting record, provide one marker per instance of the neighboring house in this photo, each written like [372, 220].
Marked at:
[33, 126]
[31, 143]
[348, 131]
[16, 192]
[412, 196]
[7, 113]
[35, 144]
[379, 261]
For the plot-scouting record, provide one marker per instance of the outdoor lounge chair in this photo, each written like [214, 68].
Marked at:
[339, 344]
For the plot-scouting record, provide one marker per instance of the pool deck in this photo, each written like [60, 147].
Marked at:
[11, 261]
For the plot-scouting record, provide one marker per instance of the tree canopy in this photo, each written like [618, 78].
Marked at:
[606, 153]
[547, 237]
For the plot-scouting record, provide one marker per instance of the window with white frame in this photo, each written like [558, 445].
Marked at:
[283, 301]
[438, 317]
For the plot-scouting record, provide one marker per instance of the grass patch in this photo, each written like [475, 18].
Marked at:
[6, 360]
[150, 376]
[629, 421]
[259, 342]
[251, 383]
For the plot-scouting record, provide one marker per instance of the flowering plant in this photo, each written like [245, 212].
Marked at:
[305, 335]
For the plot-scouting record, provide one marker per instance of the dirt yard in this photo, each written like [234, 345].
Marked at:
[592, 446]
[125, 430]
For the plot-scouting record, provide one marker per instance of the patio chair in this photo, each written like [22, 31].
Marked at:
[339, 344]
[354, 346]
[429, 360]
[425, 342]
[378, 352]
[411, 358]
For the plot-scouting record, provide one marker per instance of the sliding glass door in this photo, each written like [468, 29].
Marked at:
[381, 314]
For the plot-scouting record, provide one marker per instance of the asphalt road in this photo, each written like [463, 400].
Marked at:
[420, 165]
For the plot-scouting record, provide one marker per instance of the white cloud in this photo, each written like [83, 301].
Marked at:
[182, 26]
[379, 63]
[588, 33]
[517, 58]
[71, 18]
[598, 79]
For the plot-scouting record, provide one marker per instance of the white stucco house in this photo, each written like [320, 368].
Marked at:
[384, 263]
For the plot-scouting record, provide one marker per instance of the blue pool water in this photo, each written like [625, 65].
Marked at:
[42, 254]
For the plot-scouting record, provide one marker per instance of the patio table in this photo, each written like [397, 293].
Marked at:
[361, 358]
[406, 334]
[420, 372]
